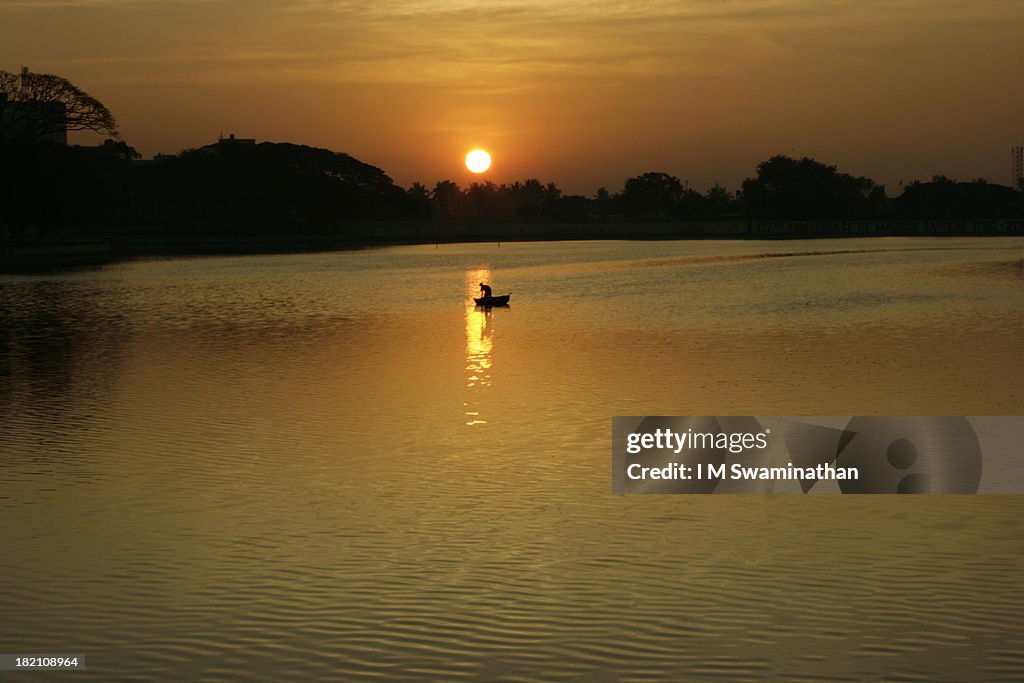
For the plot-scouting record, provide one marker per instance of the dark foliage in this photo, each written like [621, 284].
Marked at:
[238, 188]
[949, 199]
[35, 106]
[805, 189]
[54, 186]
[259, 189]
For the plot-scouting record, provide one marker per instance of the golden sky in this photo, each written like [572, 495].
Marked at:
[577, 92]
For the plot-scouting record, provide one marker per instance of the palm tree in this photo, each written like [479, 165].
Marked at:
[444, 195]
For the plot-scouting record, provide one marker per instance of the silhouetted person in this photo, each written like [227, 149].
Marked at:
[486, 289]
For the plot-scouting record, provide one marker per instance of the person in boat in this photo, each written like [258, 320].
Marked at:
[486, 289]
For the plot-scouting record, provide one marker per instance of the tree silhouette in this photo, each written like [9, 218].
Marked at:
[719, 201]
[652, 195]
[530, 202]
[603, 203]
[267, 188]
[552, 196]
[419, 201]
[480, 199]
[119, 149]
[808, 189]
[944, 198]
[445, 195]
[34, 107]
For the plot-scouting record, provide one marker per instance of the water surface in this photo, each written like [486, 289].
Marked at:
[333, 467]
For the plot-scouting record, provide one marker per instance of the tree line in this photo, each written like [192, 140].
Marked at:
[238, 187]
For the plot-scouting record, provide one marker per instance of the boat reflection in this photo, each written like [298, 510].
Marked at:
[489, 306]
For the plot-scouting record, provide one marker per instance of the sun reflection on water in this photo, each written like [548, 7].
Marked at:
[479, 342]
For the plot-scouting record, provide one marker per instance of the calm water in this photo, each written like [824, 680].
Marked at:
[330, 467]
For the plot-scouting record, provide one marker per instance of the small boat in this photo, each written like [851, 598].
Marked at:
[489, 301]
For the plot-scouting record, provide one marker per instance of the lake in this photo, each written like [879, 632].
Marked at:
[333, 467]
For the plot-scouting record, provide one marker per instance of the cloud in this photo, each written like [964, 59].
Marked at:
[506, 44]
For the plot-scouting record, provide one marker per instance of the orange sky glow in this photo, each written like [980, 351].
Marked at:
[581, 93]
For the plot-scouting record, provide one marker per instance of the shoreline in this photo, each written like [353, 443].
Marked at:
[113, 246]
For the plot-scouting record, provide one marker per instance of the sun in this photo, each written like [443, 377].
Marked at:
[478, 161]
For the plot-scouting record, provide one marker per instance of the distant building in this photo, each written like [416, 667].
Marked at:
[232, 140]
[16, 117]
[49, 119]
